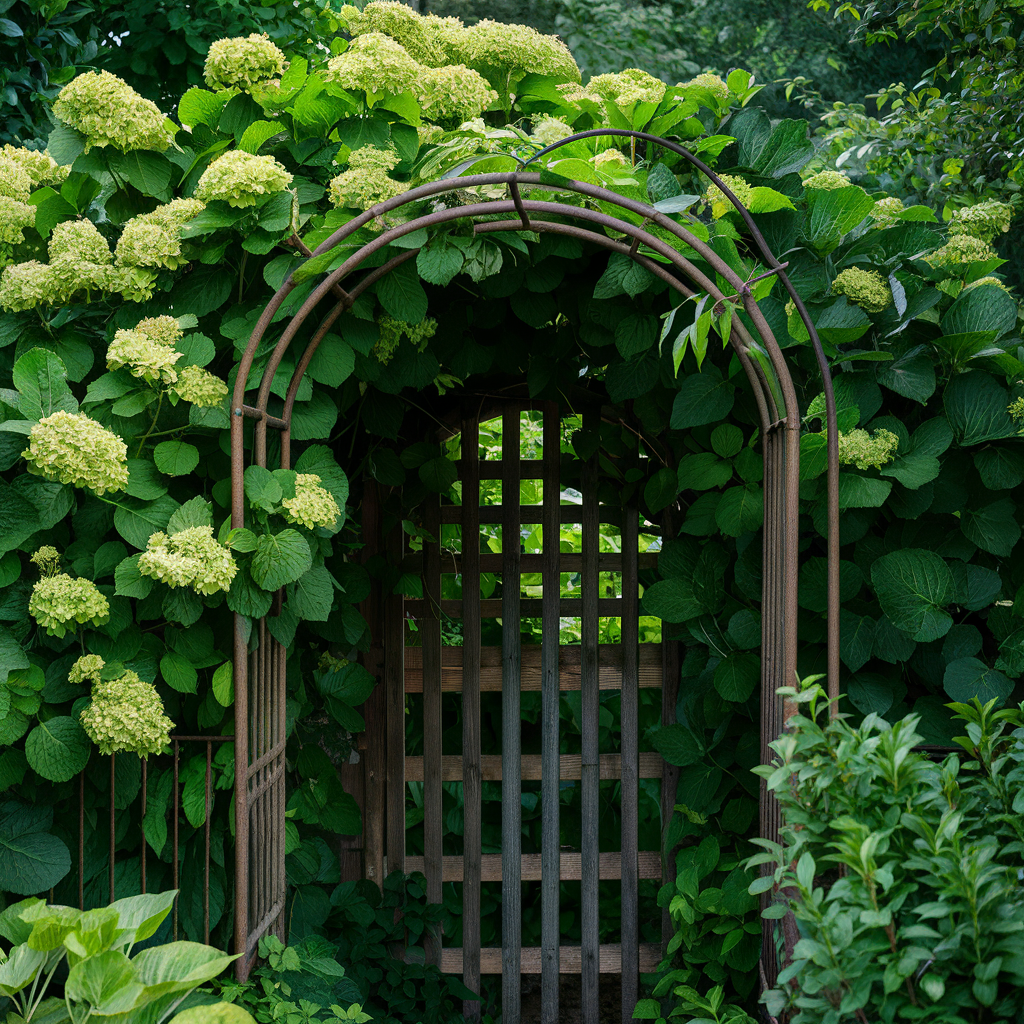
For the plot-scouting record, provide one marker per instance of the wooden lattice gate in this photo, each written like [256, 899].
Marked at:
[551, 668]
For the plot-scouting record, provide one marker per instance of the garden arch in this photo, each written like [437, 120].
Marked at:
[259, 665]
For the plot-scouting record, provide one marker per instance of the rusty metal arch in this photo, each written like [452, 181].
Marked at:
[260, 797]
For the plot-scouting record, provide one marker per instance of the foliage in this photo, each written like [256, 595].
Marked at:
[102, 978]
[926, 916]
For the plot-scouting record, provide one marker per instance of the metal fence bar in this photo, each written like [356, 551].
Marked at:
[394, 682]
[590, 769]
[113, 821]
[630, 637]
[550, 719]
[511, 723]
[472, 787]
[431, 632]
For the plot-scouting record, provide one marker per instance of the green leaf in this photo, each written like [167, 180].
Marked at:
[677, 745]
[31, 860]
[912, 375]
[105, 982]
[198, 106]
[196, 511]
[727, 440]
[42, 381]
[65, 145]
[737, 676]
[856, 639]
[913, 587]
[333, 362]
[862, 491]
[438, 474]
[635, 334]
[144, 481]
[661, 490]
[984, 308]
[767, 200]
[129, 582]
[58, 749]
[672, 600]
[702, 398]
[350, 683]
[975, 405]
[280, 559]
[246, 598]
[1000, 468]
[871, 692]
[836, 211]
[741, 510]
[402, 295]
[967, 678]
[136, 521]
[994, 528]
[176, 458]
[149, 172]
[51, 209]
[178, 673]
[703, 472]
[314, 595]
[223, 685]
[439, 262]
[179, 967]
[975, 587]
[257, 133]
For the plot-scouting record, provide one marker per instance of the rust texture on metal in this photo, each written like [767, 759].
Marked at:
[259, 660]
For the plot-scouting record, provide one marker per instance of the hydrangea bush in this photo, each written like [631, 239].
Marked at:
[155, 245]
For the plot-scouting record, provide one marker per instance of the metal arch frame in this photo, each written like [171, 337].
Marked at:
[261, 779]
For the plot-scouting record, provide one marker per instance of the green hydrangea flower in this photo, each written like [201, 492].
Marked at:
[983, 281]
[88, 667]
[200, 387]
[716, 198]
[60, 601]
[81, 260]
[15, 216]
[109, 112]
[611, 160]
[713, 83]
[866, 451]
[453, 94]
[864, 288]
[512, 50]
[190, 558]
[426, 38]
[47, 558]
[366, 182]
[126, 715]
[242, 62]
[627, 87]
[241, 179]
[312, 505]
[74, 449]
[1016, 409]
[154, 239]
[547, 129]
[886, 212]
[392, 331]
[27, 285]
[15, 182]
[982, 221]
[375, 63]
[959, 253]
[827, 181]
[41, 168]
[148, 350]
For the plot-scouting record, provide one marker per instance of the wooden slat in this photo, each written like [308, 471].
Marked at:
[529, 608]
[651, 766]
[532, 515]
[394, 672]
[470, 872]
[568, 867]
[669, 695]
[530, 677]
[568, 561]
[590, 728]
[511, 726]
[551, 859]
[431, 629]
[529, 469]
[609, 960]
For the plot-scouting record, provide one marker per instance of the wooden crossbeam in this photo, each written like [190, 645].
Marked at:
[569, 960]
[607, 561]
[648, 866]
[571, 767]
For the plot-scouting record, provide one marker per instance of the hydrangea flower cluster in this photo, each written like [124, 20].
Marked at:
[15, 182]
[147, 350]
[511, 49]
[242, 62]
[1016, 409]
[626, 87]
[60, 601]
[392, 331]
[427, 38]
[109, 112]
[610, 159]
[200, 387]
[15, 216]
[74, 449]
[88, 667]
[189, 558]
[241, 179]
[126, 715]
[547, 129]
[312, 505]
[983, 220]
[713, 83]
[41, 168]
[366, 182]
[959, 253]
[154, 239]
[827, 181]
[453, 94]
[887, 212]
[866, 451]
[864, 288]
[716, 198]
[27, 285]
[982, 281]
[47, 558]
[375, 63]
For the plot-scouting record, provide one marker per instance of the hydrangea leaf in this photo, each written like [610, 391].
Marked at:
[58, 749]
[42, 382]
[175, 458]
[223, 685]
[976, 405]
[967, 678]
[985, 308]
[136, 521]
[129, 582]
[703, 472]
[402, 295]
[195, 512]
[702, 398]
[994, 527]
[314, 595]
[677, 744]
[736, 676]
[31, 860]
[661, 490]
[913, 586]
[178, 673]
[280, 559]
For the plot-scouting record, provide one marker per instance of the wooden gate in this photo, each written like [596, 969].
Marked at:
[551, 668]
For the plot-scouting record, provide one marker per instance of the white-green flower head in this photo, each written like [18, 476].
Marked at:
[392, 331]
[242, 62]
[513, 48]
[312, 505]
[241, 179]
[866, 451]
[983, 220]
[366, 182]
[190, 558]
[827, 181]
[375, 63]
[995, 282]
[1016, 409]
[154, 239]
[200, 387]
[74, 449]
[713, 83]
[864, 288]
[15, 216]
[628, 87]
[109, 112]
[15, 182]
[717, 200]
[147, 349]
[47, 558]
[27, 285]
[427, 38]
[60, 602]
[126, 715]
[959, 253]
[88, 667]
[79, 240]
[886, 213]
[610, 160]
[453, 94]
[41, 168]
[548, 130]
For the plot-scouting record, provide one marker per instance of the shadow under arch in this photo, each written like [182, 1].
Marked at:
[260, 673]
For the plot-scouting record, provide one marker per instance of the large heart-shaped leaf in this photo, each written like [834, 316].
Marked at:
[31, 860]
[913, 587]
